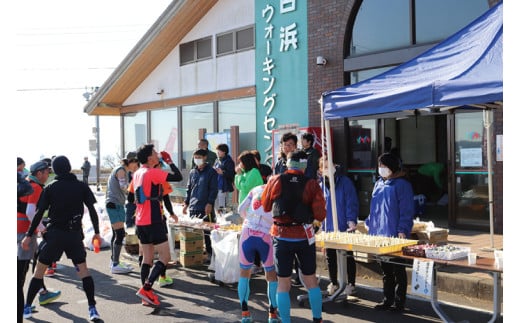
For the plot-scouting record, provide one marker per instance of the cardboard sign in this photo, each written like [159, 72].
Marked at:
[422, 277]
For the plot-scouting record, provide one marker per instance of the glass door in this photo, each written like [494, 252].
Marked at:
[363, 161]
[471, 175]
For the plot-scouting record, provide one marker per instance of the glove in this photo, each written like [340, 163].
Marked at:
[316, 225]
[166, 157]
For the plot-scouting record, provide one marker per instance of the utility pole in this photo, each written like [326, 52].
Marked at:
[87, 95]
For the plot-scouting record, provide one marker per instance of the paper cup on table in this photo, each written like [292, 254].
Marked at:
[472, 258]
[499, 258]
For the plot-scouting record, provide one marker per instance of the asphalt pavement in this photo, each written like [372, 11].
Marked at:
[194, 297]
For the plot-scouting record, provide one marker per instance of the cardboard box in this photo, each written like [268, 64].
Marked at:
[188, 246]
[191, 259]
[189, 234]
[432, 236]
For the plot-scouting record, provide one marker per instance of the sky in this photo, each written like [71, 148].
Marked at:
[62, 49]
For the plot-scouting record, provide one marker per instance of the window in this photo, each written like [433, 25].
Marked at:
[187, 52]
[194, 117]
[225, 43]
[135, 129]
[383, 26]
[196, 50]
[239, 113]
[165, 132]
[245, 38]
[235, 41]
[204, 48]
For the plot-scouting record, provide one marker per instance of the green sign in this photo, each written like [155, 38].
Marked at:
[281, 69]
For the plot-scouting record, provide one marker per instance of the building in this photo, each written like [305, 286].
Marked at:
[243, 71]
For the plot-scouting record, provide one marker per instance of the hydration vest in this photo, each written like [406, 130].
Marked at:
[290, 202]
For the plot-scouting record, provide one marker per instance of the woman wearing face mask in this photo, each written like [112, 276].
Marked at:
[391, 215]
[247, 175]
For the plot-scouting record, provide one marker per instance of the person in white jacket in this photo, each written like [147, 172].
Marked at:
[255, 238]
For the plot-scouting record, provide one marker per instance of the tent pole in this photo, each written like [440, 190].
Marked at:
[488, 121]
[329, 169]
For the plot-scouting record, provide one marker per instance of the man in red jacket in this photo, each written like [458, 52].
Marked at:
[296, 202]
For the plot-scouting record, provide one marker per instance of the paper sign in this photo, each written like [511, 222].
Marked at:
[422, 277]
[500, 156]
[471, 157]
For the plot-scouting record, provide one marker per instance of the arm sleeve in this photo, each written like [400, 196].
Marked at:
[93, 217]
[168, 204]
[213, 187]
[406, 208]
[270, 193]
[175, 175]
[352, 201]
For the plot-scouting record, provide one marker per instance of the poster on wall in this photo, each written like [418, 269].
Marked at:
[471, 157]
[217, 138]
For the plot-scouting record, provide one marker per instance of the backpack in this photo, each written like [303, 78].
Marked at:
[141, 197]
[290, 203]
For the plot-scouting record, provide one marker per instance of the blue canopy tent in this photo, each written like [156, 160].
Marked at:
[463, 71]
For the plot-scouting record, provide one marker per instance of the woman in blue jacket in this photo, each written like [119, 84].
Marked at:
[347, 208]
[391, 215]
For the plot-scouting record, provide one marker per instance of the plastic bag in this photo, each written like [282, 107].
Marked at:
[105, 229]
[225, 252]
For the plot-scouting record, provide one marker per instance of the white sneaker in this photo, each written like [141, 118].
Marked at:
[350, 289]
[331, 288]
[120, 269]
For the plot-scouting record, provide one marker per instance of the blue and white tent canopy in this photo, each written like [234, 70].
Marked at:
[463, 70]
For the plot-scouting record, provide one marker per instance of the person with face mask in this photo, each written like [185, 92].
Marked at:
[347, 207]
[201, 194]
[391, 214]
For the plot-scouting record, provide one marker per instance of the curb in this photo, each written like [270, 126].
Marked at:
[461, 282]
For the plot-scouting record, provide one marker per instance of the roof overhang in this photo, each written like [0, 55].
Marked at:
[165, 34]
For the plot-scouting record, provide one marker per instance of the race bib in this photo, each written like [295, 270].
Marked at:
[309, 232]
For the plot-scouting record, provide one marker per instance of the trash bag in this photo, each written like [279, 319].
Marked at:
[226, 259]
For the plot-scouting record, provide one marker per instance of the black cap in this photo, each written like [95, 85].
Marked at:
[39, 165]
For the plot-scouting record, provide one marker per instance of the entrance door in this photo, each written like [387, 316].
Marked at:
[421, 143]
[471, 177]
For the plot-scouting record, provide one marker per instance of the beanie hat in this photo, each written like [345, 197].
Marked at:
[61, 165]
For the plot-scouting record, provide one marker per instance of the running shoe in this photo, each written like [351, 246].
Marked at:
[165, 281]
[332, 288]
[120, 269]
[93, 313]
[350, 289]
[49, 272]
[49, 297]
[27, 312]
[149, 296]
[246, 317]
[273, 318]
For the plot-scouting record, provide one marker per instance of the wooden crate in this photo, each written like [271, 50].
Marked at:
[191, 259]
